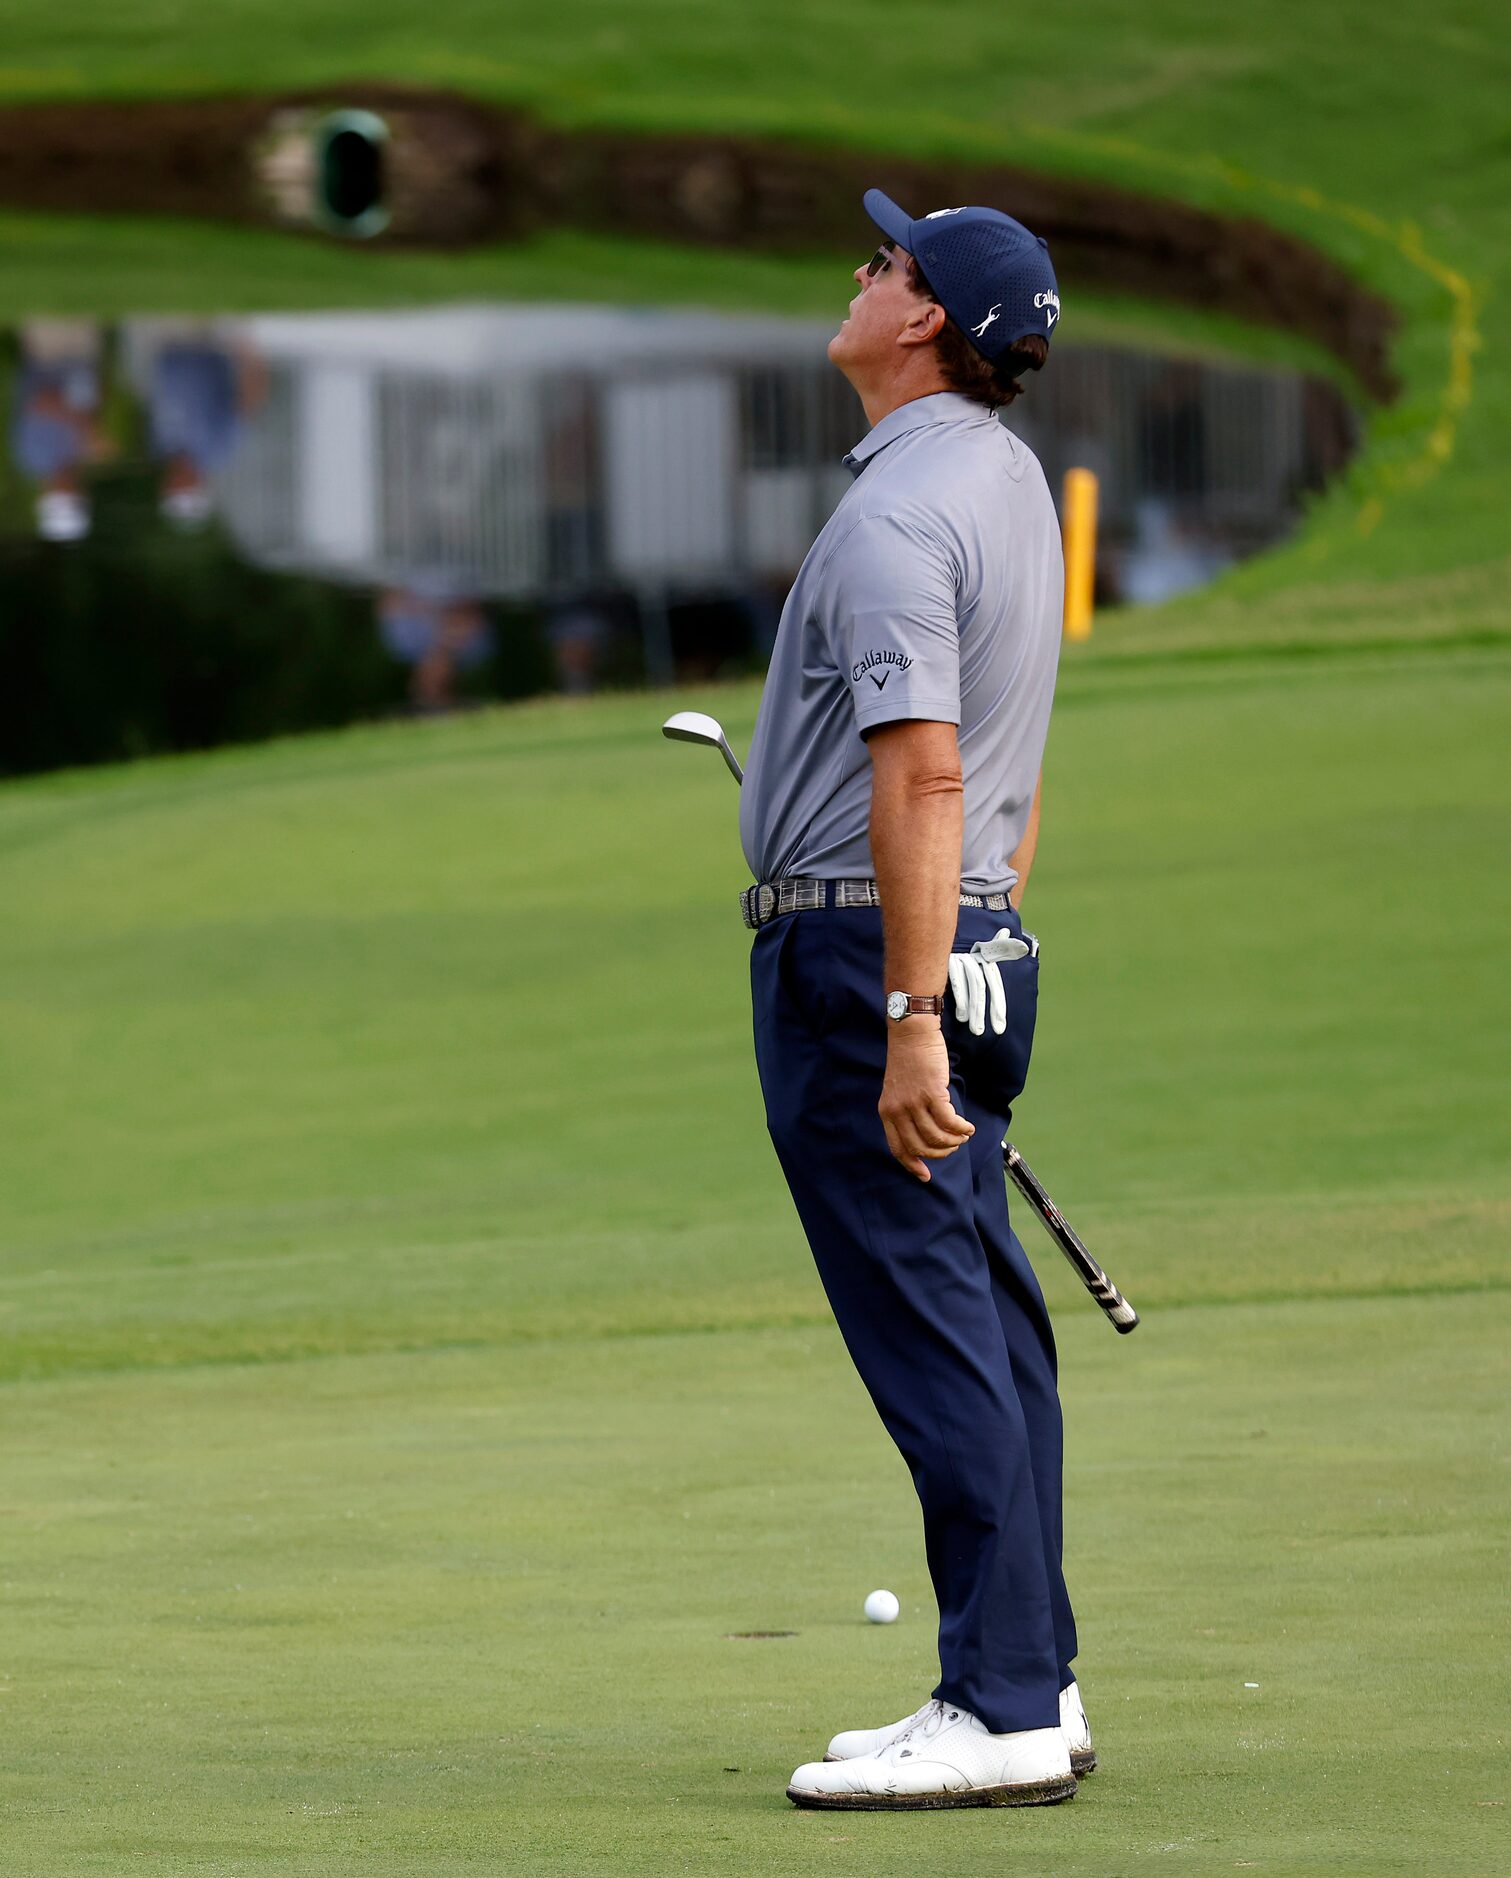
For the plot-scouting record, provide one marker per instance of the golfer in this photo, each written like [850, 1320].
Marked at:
[889, 816]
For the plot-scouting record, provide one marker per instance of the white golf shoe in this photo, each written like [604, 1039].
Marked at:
[1077, 1730]
[943, 1756]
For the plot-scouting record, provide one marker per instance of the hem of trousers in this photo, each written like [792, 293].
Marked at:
[1000, 1721]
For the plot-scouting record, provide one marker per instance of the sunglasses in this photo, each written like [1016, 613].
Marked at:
[881, 260]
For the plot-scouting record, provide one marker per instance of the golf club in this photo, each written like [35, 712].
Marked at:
[1121, 1313]
[698, 727]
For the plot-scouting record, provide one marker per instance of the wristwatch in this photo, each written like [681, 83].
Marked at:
[901, 1004]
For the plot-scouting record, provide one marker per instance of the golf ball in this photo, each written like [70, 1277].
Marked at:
[882, 1607]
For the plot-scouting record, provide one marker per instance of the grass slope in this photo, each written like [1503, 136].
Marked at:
[414, 1368]
[389, 992]
[1376, 132]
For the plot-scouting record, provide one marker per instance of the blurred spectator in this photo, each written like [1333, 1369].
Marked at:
[199, 391]
[578, 634]
[713, 636]
[438, 633]
[1168, 555]
[55, 422]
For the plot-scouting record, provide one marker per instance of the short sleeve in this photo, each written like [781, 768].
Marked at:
[893, 625]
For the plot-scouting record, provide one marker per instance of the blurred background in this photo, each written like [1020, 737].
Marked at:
[324, 516]
[240, 522]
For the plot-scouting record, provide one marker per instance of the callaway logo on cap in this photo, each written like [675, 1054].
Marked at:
[992, 276]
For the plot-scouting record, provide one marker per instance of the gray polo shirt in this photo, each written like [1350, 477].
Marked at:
[935, 590]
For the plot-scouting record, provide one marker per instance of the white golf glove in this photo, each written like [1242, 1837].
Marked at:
[977, 982]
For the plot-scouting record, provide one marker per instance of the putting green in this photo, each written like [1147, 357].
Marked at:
[469, 1611]
[414, 1369]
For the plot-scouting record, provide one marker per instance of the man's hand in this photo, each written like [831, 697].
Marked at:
[915, 1106]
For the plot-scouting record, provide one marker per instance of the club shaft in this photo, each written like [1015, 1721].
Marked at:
[1121, 1313]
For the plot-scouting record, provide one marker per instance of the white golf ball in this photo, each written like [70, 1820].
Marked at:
[882, 1607]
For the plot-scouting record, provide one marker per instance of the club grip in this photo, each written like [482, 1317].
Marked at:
[1120, 1312]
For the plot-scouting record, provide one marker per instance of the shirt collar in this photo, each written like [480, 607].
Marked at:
[940, 407]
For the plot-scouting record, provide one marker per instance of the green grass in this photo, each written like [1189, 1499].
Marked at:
[112, 266]
[414, 1368]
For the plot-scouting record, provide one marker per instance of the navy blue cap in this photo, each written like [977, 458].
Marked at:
[990, 274]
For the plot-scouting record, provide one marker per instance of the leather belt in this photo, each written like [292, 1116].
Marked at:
[805, 893]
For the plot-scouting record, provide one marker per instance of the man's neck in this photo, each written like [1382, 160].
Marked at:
[879, 401]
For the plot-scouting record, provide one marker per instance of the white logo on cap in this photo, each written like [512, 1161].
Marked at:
[1050, 301]
[934, 214]
[979, 330]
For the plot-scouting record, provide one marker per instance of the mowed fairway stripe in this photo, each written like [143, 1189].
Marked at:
[430, 1034]
[470, 1612]
[286, 1305]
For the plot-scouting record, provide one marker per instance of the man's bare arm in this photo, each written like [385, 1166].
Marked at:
[1023, 855]
[917, 828]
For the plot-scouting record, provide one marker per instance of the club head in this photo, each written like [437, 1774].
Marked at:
[694, 727]
[699, 727]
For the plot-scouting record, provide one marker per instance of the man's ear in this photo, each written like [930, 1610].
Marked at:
[925, 324]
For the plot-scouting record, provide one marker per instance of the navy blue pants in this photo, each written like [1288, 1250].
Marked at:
[932, 1293]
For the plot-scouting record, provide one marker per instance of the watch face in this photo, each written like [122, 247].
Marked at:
[897, 1005]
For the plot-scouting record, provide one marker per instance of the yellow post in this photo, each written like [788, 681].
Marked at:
[1080, 531]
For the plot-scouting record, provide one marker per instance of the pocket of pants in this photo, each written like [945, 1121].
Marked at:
[800, 984]
[993, 1066]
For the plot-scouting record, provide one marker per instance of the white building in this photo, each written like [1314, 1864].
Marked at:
[532, 452]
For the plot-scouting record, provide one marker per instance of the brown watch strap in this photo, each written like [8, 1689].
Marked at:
[925, 1007]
